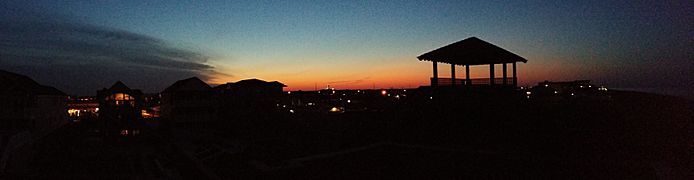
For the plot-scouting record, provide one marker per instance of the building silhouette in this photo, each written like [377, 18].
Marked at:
[188, 102]
[120, 109]
[251, 93]
[470, 52]
[28, 112]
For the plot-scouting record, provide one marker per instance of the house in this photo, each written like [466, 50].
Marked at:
[250, 105]
[120, 109]
[188, 101]
[252, 93]
[28, 105]
[28, 112]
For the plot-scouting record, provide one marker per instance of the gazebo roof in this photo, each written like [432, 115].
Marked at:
[471, 51]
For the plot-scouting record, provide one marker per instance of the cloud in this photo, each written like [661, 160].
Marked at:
[38, 47]
[349, 82]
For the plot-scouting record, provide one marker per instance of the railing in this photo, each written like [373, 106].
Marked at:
[475, 81]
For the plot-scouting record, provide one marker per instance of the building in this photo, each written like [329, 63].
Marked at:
[28, 112]
[253, 87]
[469, 52]
[120, 109]
[251, 104]
[28, 105]
[188, 101]
[82, 108]
[252, 93]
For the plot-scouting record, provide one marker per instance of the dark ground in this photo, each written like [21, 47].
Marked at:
[622, 135]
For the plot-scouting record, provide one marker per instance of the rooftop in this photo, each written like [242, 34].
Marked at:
[471, 51]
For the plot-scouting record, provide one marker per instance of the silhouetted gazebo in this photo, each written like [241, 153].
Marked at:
[472, 51]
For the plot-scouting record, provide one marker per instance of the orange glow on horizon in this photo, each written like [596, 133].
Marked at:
[408, 74]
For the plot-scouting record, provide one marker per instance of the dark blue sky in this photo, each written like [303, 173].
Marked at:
[150, 44]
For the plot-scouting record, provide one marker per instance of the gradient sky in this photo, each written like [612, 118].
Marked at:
[347, 44]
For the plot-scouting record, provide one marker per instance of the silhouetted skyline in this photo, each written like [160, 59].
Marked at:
[80, 47]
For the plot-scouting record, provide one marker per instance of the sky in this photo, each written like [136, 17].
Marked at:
[82, 46]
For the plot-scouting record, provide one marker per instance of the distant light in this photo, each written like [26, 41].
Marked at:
[388, 94]
[555, 92]
[527, 97]
[357, 90]
[333, 91]
[343, 94]
[590, 86]
[291, 111]
[431, 97]
[405, 90]
[546, 85]
[349, 101]
[572, 94]
[397, 96]
[311, 104]
[97, 109]
[383, 92]
[289, 92]
[528, 93]
[284, 106]
[581, 86]
[522, 87]
[334, 109]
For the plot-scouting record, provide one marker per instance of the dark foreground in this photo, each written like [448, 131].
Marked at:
[620, 136]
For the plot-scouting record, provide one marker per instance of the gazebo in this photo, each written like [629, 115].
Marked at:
[472, 51]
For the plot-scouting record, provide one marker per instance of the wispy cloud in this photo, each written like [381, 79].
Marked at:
[37, 46]
[350, 81]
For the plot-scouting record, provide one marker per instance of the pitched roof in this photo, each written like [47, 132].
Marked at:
[119, 86]
[471, 51]
[190, 84]
[250, 82]
[258, 82]
[19, 83]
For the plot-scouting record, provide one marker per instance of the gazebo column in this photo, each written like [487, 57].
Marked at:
[503, 67]
[515, 78]
[467, 75]
[435, 80]
[491, 74]
[452, 74]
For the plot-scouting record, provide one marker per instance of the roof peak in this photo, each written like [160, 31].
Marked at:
[119, 86]
[189, 84]
[471, 51]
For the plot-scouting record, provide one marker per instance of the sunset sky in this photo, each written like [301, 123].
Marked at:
[82, 46]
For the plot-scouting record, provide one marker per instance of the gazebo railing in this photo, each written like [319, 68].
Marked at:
[473, 81]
